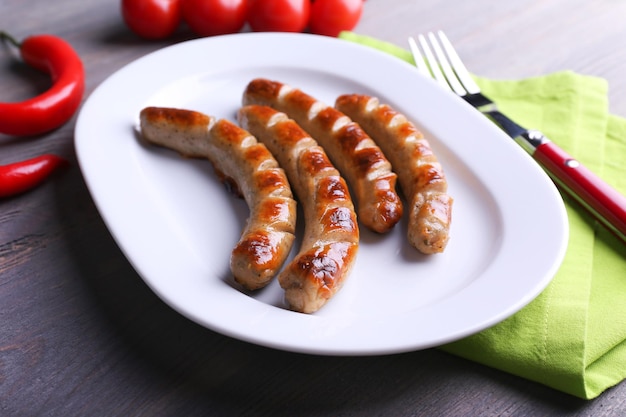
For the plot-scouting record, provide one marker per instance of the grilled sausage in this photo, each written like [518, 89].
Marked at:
[243, 163]
[331, 235]
[356, 156]
[420, 175]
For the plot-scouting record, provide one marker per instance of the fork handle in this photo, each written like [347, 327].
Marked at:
[604, 202]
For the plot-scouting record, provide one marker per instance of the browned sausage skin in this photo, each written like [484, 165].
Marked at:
[420, 175]
[356, 156]
[331, 235]
[248, 167]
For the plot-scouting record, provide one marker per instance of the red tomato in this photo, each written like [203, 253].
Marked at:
[214, 17]
[329, 17]
[278, 15]
[152, 19]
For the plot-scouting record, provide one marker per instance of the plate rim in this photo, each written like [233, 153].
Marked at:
[364, 53]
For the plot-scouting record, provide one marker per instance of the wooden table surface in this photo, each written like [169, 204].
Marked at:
[82, 335]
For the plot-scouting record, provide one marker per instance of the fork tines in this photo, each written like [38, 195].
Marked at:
[442, 63]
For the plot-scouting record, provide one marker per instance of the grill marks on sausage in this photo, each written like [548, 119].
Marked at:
[260, 246]
[317, 270]
[351, 150]
[314, 161]
[249, 170]
[421, 176]
[331, 235]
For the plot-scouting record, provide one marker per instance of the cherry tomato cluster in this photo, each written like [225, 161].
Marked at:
[158, 19]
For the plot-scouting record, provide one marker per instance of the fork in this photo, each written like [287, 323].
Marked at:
[442, 63]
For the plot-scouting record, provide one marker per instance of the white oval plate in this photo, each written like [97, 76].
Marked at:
[177, 225]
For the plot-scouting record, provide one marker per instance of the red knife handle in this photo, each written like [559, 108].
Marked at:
[604, 202]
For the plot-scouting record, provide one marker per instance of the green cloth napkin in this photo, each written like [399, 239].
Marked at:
[572, 337]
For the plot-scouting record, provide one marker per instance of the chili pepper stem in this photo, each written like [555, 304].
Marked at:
[8, 38]
[55, 106]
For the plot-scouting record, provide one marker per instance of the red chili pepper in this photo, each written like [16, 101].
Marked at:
[58, 104]
[19, 177]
